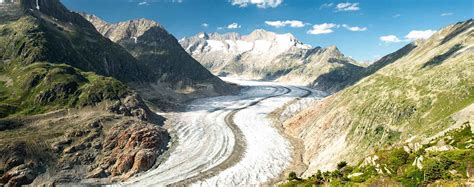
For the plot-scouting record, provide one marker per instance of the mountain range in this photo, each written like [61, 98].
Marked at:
[265, 55]
[175, 74]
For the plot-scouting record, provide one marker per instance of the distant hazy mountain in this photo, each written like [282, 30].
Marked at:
[270, 56]
[408, 96]
[160, 53]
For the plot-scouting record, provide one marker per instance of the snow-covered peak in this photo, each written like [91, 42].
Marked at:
[202, 35]
[260, 34]
[257, 42]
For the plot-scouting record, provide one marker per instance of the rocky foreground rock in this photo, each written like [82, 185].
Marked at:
[76, 144]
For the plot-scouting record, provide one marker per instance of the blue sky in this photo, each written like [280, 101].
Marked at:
[362, 29]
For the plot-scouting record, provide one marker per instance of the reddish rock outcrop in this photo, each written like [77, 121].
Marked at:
[130, 148]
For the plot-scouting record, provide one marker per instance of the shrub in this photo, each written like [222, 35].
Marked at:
[397, 158]
[412, 176]
[336, 174]
[292, 176]
[341, 165]
[435, 169]
[319, 178]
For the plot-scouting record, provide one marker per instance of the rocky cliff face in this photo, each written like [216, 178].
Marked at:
[410, 95]
[160, 53]
[270, 56]
[64, 102]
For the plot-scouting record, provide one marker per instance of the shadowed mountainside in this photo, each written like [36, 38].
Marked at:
[176, 74]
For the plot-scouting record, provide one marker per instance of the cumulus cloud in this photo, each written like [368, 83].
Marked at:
[143, 3]
[258, 3]
[447, 14]
[205, 25]
[417, 34]
[291, 23]
[326, 5]
[355, 29]
[390, 39]
[347, 6]
[411, 36]
[233, 26]
[324, 28]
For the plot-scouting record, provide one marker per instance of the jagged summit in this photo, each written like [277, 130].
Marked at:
[203, 35]
[123, 30]
[261, 34]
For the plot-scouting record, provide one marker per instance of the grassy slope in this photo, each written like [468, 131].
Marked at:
[395, 167]
[43, 63]
[412, 97]
[42, 87]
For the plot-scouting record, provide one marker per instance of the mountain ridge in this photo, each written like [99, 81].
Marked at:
[156, 49]
[265, 55]
[409, 95]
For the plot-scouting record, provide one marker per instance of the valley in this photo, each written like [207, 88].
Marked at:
[228, 140]
[118, 100]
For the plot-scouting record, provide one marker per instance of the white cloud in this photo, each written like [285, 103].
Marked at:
[233, 26]
[447, 14]
[411, 36]
[396, 15]
[416, 34]
[355, 29]
[205, 25]
[291, 23]
[324, 28]
[220, 28]
[390, 39]
[143, 3]
[148, 2]
[326, 5]
[347, 6]
[259, 3]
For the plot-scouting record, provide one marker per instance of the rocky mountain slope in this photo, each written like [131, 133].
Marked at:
[175, 73]
[270, 56]
[410, 96]
[66, 113]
